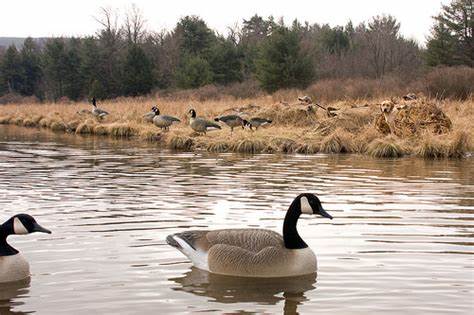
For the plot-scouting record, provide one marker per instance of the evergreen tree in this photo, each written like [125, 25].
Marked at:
[137, 72]
[73, 80]
[193, 72]
[31, 68]
[454, 31]
[281, 63]
[90, 68]
[196, 36]
[11, 70]
[225, 61]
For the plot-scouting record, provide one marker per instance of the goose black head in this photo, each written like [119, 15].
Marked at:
[21, 224]
[308, 203]
[192, 112]
[156, 110]
[94, 102]
[245, 123]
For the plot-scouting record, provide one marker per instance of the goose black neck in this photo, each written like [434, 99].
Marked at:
[5, 248]
[290, 234]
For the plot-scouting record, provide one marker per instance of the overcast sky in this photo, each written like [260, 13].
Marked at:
[41, 18]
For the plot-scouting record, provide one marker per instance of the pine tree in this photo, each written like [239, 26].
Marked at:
[31, 68]
[225, 61]
[193, 72]
[281, 63]
[137, 72]
[451, 40]
[11, 70]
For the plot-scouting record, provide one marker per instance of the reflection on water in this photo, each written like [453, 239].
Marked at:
[8, 293]
[226, 289]
[402, 235]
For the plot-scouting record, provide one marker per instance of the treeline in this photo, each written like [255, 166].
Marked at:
[125, 59]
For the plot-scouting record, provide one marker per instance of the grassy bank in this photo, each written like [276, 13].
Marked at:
[295, 128]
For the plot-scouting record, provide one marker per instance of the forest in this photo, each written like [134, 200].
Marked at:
[259, 55]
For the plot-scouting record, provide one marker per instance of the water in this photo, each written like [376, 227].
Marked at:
[401, 240]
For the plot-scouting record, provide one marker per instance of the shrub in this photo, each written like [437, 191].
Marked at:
[450, 82]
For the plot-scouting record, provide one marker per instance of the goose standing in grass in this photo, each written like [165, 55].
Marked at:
[257, 122]
[231, 121]
[13, 266]
[148, 117]
[201, 125]
[97, 112]
[254, 252]
[163, 121]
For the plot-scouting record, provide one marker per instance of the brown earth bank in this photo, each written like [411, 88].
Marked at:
[423, 127]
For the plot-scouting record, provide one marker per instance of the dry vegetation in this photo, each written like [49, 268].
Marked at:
[296, 128]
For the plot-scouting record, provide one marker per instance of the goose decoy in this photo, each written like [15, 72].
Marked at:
[257, 122]
[148, 117]
[13, 266]
[254, 252]
[305, 99]
[163, 121]
[231, 121]
[97, 112]
[201, 125]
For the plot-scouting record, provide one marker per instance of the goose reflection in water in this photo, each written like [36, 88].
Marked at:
[229, 289]
[9, 292]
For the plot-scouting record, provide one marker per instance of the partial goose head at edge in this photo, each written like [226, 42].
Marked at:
[19, 224]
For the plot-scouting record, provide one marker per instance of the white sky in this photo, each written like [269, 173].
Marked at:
[41, 18]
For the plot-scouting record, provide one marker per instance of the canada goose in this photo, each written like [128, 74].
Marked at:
[257, 122]
[254, 252]
[97, 112]
[163, 121]
[231, 121]
[199, 124]
[13, 266]
[148, 117]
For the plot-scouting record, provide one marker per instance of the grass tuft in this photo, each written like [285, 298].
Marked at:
[385, 148]
[181, 143]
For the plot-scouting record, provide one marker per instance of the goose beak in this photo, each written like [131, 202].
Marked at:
[39, 228]
[323, 213]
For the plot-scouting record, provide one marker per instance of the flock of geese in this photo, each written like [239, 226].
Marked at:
[233, 252]
[199, 124]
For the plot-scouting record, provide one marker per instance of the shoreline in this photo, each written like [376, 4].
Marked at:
[296, 129]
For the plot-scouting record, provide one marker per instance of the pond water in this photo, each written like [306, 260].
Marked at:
[401, 239]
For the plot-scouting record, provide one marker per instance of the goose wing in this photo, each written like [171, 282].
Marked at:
[170, 118]
[210, 124]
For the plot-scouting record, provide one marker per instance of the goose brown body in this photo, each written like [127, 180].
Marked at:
[253, 252]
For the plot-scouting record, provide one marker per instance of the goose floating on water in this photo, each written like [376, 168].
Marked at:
[254, 252]
[163, 121]
[201, 125]
[13, 266]
[97, 112]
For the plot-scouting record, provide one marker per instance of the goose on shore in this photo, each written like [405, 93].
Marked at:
[201, 125]
[257, 122]
[148, 117]
[97, 112]
[13, 266]
[231, 121]
[254, 252]
[163, 121]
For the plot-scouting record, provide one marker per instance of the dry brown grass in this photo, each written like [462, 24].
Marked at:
[295, 129]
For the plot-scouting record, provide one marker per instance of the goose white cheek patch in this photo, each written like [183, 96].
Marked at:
[305, 206]
[18, 227]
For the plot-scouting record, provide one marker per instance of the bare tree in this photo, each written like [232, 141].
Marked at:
[134, 26]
